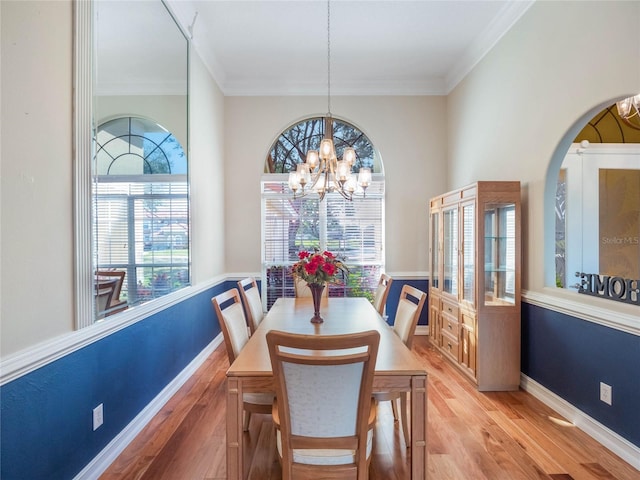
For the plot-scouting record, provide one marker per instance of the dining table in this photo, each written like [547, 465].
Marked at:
[397, 368]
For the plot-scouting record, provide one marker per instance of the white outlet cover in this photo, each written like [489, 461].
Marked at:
[605, 393]
[98, 417]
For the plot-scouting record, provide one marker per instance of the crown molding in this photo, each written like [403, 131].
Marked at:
[484, 43]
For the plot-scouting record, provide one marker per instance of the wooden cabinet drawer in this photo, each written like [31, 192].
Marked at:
[450, 309]
[450, 325]
[450, 345]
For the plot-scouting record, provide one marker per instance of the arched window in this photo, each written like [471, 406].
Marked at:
[141, 208]
[352, 229]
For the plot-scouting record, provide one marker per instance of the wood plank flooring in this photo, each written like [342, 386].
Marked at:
[471, 436]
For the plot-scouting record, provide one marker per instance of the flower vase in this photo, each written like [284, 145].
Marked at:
[316, 294]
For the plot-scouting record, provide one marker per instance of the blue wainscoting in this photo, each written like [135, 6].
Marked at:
[47, 430]
[570, 357]
[394, 296]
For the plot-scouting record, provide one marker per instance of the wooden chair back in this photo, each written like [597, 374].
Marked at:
[233, 323]
[116, 278]
[382, 292]
[114, 274]
[410, 306]
[103, 297]
[252, 302]
[324, 413]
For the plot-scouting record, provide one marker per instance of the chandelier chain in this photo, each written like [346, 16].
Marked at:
[328, 58]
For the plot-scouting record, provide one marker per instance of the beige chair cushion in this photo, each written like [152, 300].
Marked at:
[237, 326]
[377, 299]
[329, 412]
[404, 317]
[255, 305]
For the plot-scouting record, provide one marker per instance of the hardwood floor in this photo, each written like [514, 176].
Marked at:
[472, 435]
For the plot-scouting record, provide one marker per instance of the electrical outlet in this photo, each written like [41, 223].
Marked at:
[606, 393]
[98, 417]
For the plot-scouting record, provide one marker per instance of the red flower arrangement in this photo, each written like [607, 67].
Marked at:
[319, 268]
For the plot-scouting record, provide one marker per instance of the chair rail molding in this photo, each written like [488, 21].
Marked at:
[32, 358]
[623, 317]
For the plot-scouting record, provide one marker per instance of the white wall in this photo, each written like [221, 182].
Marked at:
[558, 66]
[37, 167]
[206, 168]
[408, 131]
[37, 155]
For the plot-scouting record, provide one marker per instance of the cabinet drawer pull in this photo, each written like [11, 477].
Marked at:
[450, 327]
[449, 345]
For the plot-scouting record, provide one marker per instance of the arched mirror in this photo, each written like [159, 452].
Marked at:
[597, 206]
[132, 203]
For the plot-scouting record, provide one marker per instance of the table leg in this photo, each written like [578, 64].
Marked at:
[419, 427]
[234, 429]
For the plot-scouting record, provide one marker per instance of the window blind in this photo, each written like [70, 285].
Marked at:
[353, 230]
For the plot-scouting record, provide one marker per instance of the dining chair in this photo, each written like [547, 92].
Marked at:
[103, 297]
[324, 413]
[233, 324]
[252, 302]
[410, 306]
[116, 304]
[382, 292]
[302, 290]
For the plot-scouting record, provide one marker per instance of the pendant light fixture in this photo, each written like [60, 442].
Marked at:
[629, 111]
[323, 172]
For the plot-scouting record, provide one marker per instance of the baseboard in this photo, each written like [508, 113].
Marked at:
[603, 435]
[422, 330]
[101, 462]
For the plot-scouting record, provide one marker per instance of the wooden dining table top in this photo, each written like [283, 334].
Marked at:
[341, 316]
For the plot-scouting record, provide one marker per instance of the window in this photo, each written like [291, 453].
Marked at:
[351, 229]
[141, 208]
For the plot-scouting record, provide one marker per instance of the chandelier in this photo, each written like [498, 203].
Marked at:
[322, 172]
[629, 111]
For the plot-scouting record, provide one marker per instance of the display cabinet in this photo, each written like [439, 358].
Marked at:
[474, 288]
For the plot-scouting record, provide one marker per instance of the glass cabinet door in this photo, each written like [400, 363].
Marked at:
[499, 254]
[450, 251]
[468, 252]
[435, 257]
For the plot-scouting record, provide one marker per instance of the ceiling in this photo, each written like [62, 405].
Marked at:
[390, 47]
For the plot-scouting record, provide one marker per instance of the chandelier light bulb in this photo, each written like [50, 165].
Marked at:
[326, 149]
[343, 171]
[304, 176]
[349, 156]
[313, 159]
[294, 182]
[364, 177]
